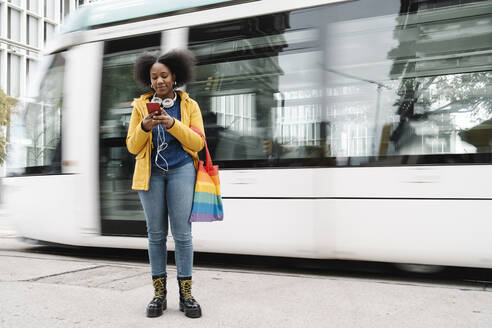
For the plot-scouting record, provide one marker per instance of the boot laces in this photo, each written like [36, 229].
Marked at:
[186, 289]
[159, 287]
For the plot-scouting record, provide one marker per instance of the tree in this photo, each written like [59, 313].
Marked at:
[7, 103]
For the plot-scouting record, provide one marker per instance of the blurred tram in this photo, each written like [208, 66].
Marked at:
[358, 130]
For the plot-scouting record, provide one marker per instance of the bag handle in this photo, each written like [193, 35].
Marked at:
[209, 163]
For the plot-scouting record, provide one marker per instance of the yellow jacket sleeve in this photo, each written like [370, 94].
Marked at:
[186, 136]
[136, 138]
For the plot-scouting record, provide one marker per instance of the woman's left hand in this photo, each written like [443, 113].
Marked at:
[165, 119]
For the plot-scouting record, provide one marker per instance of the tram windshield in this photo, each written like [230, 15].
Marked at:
[36, 134]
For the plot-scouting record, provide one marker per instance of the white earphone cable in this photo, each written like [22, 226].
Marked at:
[161, 131]
[162, 145]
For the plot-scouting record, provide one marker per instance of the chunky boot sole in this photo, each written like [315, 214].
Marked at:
[190, 313]
[153, 313]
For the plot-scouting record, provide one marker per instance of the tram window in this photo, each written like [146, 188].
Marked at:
[412, 87]
[354, 83]
[248, 71]
[36, 137]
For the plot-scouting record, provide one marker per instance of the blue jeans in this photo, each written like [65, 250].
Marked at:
[170, 194]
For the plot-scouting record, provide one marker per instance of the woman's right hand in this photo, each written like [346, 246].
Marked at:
[149, 122]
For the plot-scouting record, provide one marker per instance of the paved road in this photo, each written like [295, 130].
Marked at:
[42, 290]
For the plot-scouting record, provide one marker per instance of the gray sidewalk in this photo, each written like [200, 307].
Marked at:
[40, 290]
[6, 227]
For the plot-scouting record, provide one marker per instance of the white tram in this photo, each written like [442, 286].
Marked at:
[344, 129]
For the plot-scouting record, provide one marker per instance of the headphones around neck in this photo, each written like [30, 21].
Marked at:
[166, 103]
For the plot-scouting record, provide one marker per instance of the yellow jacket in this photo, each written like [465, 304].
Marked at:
[139, 142]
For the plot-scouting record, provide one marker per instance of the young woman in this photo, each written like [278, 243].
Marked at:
[165, 169]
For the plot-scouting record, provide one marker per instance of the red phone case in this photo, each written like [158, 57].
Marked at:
[153, 106]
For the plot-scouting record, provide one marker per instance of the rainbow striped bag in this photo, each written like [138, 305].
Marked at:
[207, 202]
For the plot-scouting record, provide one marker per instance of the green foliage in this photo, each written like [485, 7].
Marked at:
[7, 103]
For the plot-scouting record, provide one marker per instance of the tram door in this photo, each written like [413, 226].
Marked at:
[121, 211]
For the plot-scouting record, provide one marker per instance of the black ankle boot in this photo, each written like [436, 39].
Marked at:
[187, 303]
[159, 302]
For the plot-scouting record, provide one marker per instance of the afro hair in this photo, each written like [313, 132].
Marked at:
[180, 63]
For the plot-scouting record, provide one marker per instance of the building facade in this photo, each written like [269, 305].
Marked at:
[25, 26]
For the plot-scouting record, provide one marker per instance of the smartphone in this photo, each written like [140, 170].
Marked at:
[153, 106]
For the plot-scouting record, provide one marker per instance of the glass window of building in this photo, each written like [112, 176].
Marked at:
[49, 9]
[14, 24]
[32, 31]
[31, 66]
[66, 8]
[49, 31]
[33, 5]
[1, 25]
[15, 2]
[13, 75]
